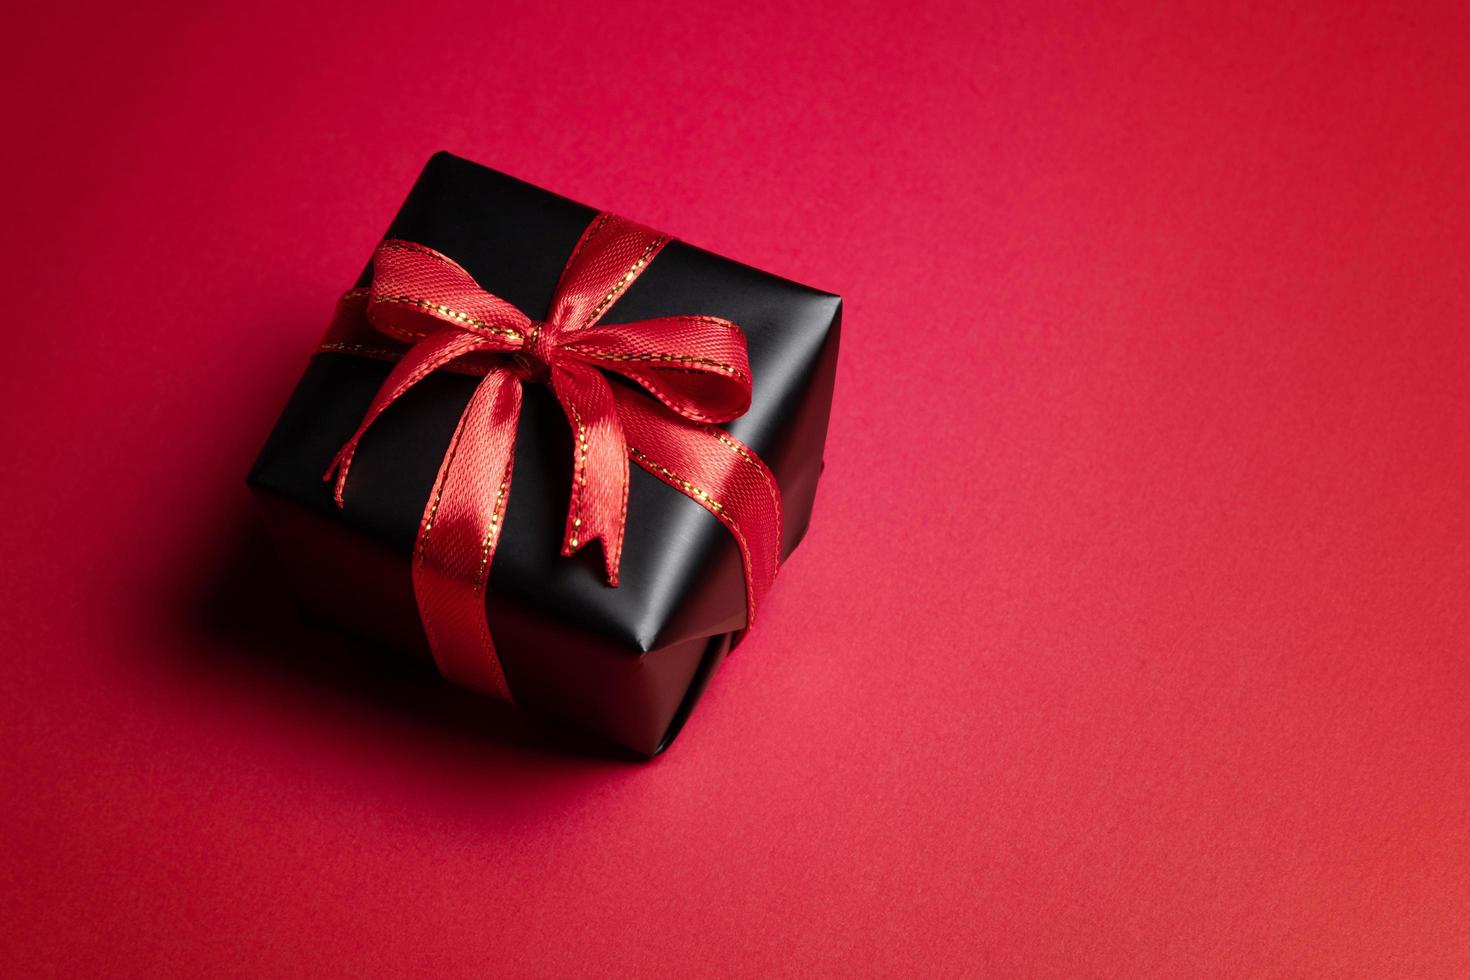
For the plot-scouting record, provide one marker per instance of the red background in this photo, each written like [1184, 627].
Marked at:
[1130, 637]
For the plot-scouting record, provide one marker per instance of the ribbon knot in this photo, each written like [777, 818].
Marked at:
[695, 366]
[539, 352]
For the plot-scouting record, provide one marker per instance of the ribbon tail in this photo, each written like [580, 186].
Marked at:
[716, 471]
[422, 359]
[459, 532]
[598, 509]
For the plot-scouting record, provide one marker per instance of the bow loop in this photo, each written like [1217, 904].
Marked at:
[696, 365]
[417, 291]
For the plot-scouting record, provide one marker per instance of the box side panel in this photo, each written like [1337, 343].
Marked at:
[349, 581]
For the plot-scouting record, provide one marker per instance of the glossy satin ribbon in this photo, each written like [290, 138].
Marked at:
[427, 313]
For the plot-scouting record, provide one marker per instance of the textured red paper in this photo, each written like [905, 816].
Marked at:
[1153, 410]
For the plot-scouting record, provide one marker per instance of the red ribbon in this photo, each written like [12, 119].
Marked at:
[695, 366]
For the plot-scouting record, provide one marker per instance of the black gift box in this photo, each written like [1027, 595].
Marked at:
[629, 662]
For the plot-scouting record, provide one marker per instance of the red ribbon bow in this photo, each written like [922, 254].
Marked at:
[696, 366]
